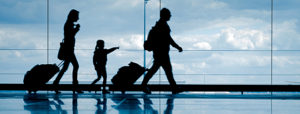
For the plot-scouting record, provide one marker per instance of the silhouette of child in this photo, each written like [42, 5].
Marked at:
[99, 60]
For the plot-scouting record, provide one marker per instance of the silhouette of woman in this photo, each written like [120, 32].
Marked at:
[70, 30]
[161, 50]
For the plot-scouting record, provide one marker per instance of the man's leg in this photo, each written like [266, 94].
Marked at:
[150, 73]
[168, 70]
[148, 76]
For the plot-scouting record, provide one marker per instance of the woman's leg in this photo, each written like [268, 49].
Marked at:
[61, 73]
[75, 73]
[75, 68]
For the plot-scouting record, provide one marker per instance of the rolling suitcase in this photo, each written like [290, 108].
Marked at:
[39, 75]
[127, 75]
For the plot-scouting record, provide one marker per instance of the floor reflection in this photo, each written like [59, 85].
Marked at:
[75, 104]
[37, 104]
[148, 104]
[101, 105]
[130, 104]
[170, 105]
[127, 104]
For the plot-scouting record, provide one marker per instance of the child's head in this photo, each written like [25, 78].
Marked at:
[100, 44]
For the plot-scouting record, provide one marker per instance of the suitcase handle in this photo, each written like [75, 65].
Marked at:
[61, 63]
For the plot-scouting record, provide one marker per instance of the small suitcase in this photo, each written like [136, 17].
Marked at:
[39, 75]
[127, 75]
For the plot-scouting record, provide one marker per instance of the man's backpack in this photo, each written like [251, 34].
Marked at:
[150, 43]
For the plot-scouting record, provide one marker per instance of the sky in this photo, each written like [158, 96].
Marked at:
[224, 41]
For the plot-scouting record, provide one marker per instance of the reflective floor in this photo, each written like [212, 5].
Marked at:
[14, 102]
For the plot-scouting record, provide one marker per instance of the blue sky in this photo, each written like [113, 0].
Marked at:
[206, 29]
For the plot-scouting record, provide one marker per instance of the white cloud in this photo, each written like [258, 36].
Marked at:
[182, 68]
[124, 54]
[244, 38]
[85, 53]
[178, 66]
[286, 61]
[11, 38]
[135, 41]
[238, 60]
[132, 3]
[286, 35]
[153, 4]
[195, 41]
[216, 5]
[199, 65]
[18, 54]
[203, 45]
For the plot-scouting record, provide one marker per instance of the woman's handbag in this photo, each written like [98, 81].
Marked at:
[61, 52]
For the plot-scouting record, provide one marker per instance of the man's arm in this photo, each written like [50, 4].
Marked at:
[172, 42]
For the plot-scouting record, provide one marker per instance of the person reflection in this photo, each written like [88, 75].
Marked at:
[38, 104]
[127, 104]
[103, 109]
[60, 102]
[170, 106]
[75, 104]
[148, 109]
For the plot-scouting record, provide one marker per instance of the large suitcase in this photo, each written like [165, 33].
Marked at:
[127, 75]
[39, 75]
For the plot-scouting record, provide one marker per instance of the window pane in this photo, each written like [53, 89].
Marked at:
[286, 62]
[23, 38]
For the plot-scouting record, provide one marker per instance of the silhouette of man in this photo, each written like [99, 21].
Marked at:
[161, 52]
[70, 30]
